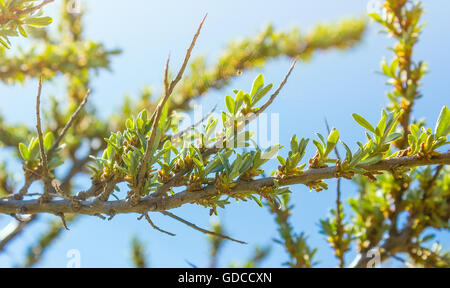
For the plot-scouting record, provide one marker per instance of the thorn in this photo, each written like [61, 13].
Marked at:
[63, 219]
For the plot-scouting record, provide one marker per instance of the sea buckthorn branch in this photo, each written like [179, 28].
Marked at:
[401, 18]
[245, 116]
[340, 238]
[121, 166]
[301, 255]
[9, 206]
[168, 89]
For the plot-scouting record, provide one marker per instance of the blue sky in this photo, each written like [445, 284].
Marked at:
[333, 85]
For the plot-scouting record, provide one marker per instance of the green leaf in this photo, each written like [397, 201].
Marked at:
[372, 160]
[38, 21]
[248, 100]
[376, 17]
[48, 141]
[239, 100]
[256, 200]
[393, 137]
[332, 141]
[198, 163]
[4, 43]
[230, 104]
[22, 31]
[319, 147]
[443, 123]
[33, 149]
[23, 151]
[415, 130]
[348, 152]
[270, 152]
[381, 125]
[261, 93]
[363, 122]
[321, 138]
[225, 163]
[281, 160]
[257, 84]
[129, 124]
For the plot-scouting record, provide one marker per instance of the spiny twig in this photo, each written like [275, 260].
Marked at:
[69, 124]
[181, 133]
[339, 225]
[275, 94]
[168, 89]
[200, 229]
[63, 220]
[156, 227]
[44, 164]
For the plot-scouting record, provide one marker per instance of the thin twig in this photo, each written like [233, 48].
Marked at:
[253, 116]
[69, 124]
[45, 172]
[275, 94]
[154, 226]
[63, 219]
[181, 133]
[200, 229]
[339, 225]
[187, 56]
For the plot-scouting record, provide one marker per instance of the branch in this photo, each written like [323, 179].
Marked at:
[9, 206]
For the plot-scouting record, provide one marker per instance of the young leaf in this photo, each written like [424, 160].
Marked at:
[443, 123]
[281, 160]
[270, 152]
[363, 122]
[239, 100]
[332, 141]
[257, 84]
[261, 93]
[229, 101]
[393, 137]
[23, 151]
[48, 141]
[38, 21]
[319, 147]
